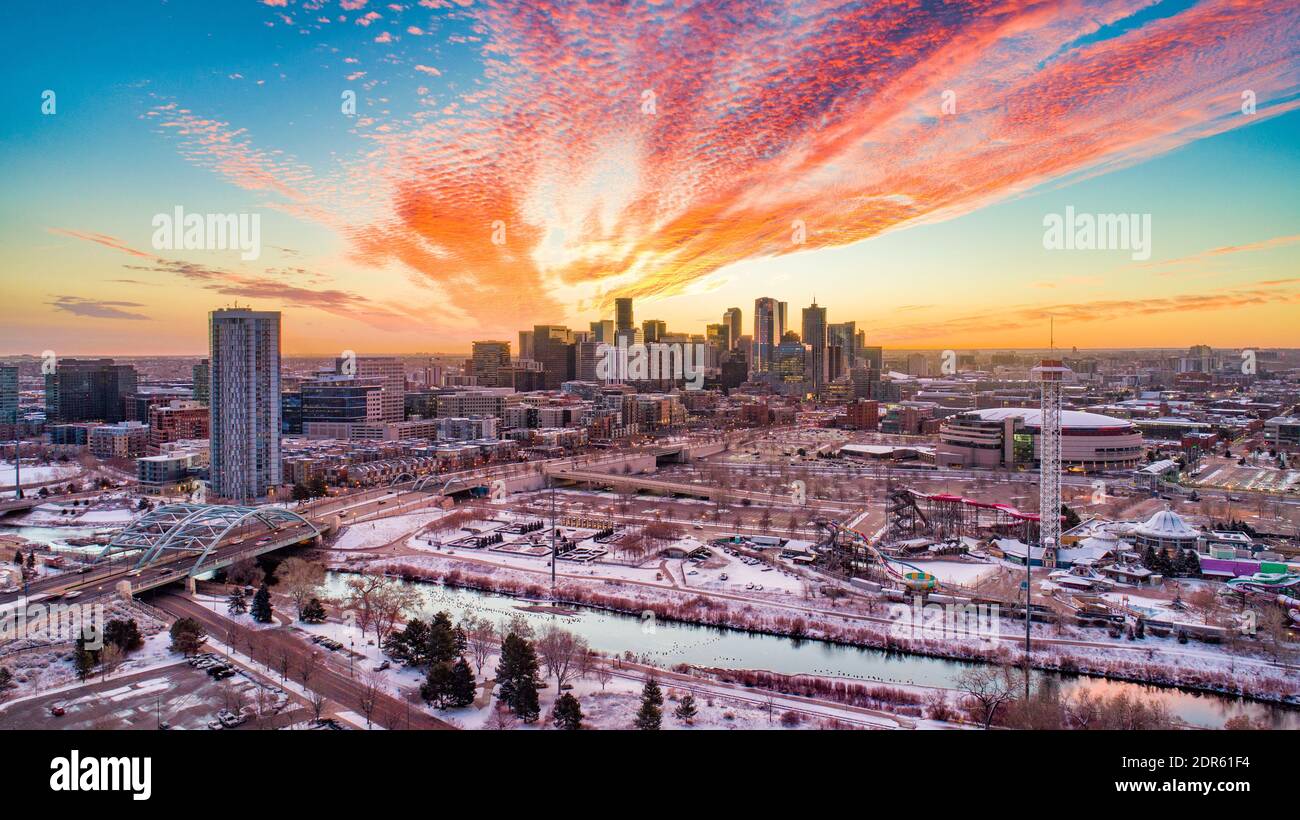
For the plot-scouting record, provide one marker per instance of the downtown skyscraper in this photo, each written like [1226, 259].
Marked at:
[244, 357]
[814, 335]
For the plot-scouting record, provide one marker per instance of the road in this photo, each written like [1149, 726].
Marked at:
[328, 680]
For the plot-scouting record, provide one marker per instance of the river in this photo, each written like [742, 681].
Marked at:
[666, 644]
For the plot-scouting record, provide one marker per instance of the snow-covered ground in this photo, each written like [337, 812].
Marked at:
[375, 534]
[37, 474]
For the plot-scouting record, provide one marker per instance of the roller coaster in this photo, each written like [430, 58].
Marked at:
[848, 548]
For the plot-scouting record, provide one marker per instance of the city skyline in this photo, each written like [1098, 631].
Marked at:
[694, 185]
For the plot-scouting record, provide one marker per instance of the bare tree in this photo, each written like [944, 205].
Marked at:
[300, 579]
[307, 665]
[991, 687]
[372, 686]
[388, 604]
[283, 660]
[360, 598]
[603, 674]
[317, 703]
[481, 636]
[561, 651]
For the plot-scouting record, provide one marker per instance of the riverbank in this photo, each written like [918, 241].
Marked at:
[1240, 680]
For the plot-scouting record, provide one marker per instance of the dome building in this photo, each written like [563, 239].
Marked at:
[1166, 530]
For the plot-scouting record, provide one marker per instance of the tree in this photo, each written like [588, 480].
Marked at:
[300, 579]
[6, 678]
[517, 676]
[84, 658]
[650, 715]
[463, 688]
[567, 713]
[237, 603]
[686, 711]
[125, 635]
[313, 612]
[990, 687]
[372, 685]
[561, 651]
[480, 638]
[261, 609]
[187, 636]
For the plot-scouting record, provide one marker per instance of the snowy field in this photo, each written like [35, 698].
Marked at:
[32, 474]
[956, 572]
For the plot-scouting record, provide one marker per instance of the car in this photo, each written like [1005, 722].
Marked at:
[58, 711]
[72, 594]
[699, 526]
[382, 666]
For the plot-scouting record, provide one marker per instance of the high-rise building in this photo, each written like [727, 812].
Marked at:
[553, 347]
[244, 354]
[814, 336]
[782, 323]
[202, 381]
[526, 345]
[331, 402]
[490, 358]
[88, 390]
[390, 374]
[874, 357]
[731, 318]
[602, 331]
[654, 330]
[719, 335]
[623, 313]
[8, 394]
[765, 334]
[844, 334]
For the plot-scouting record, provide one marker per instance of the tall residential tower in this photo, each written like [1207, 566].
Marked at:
[244, 359]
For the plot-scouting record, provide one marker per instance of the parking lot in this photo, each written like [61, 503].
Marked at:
[179, 696]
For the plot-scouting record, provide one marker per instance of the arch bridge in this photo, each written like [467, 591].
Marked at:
[178, 530]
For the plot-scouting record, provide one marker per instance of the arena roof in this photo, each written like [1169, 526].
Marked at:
[1069, 418]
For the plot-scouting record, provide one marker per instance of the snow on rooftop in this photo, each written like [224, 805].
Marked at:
[1069, 418]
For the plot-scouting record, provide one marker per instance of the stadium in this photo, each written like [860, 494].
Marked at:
[1008, 436]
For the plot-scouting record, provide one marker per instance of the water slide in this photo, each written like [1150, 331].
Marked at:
[917, 578]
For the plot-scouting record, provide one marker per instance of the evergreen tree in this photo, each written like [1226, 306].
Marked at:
[6, 678]
[436, 688]
[237, 604]
[567, 713]
[409, 645]
[18, 558]
[313, 612]
[84, 658]
[125, 635]
[650, 715]
[261, 611]
[686, 710]
[462, 689]
[650, 693]
[31, 559]
[441, 645]
[187, 636]
[517, 674]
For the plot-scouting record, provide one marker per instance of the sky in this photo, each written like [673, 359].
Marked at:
[428, 173]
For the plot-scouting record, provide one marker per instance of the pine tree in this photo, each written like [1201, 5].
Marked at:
[84, 658]
[686, 710]
[261, 611]
[187, 635]
[567, 713]
[313, 612]
[650, 693]
[237, 604]
[18, 558]
[125, 635]
[442, 645]
[462, 689]
[517, 674]
[650, 716]
[436, 688]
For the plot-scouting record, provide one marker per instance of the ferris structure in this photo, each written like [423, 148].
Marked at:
[1051, 374]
